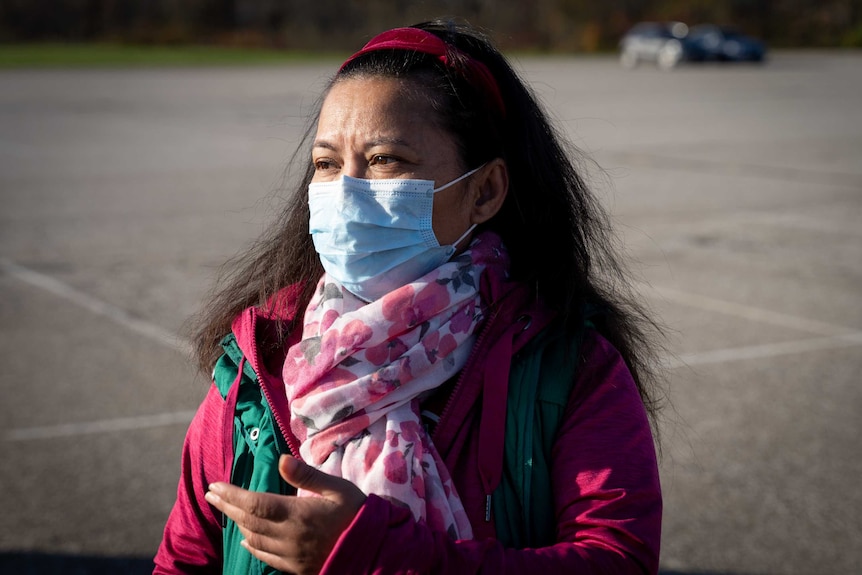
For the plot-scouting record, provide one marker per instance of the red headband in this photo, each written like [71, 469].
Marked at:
[427, 43]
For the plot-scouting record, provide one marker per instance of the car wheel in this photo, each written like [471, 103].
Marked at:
[669, 56]
[628, 59]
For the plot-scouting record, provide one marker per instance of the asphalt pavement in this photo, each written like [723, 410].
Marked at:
[736, 190]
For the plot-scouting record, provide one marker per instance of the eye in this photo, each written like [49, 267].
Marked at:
[382, 160]
[324, 164]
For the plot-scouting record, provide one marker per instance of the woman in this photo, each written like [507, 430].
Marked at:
[438, 334]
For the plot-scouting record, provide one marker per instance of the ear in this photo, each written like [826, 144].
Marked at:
[489, 188]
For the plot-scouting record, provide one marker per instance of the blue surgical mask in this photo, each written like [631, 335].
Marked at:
[374, 236]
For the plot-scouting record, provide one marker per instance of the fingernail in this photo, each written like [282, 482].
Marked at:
[215, 488]
[211, 497]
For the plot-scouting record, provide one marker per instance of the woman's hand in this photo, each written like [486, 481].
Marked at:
[292, 534]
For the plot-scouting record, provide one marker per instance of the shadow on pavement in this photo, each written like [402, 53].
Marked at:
[23, 563]
[675, 572]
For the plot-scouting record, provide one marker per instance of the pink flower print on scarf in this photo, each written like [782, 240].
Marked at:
[355, 381]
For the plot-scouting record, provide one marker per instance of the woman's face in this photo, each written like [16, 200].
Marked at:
[376, 127]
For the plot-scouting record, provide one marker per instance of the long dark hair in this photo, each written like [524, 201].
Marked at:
[559, 237]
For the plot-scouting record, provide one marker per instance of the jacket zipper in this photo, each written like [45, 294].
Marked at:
[288, 438]
[460, 381]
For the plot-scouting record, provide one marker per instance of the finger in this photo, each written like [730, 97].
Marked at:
[282, 545]
[254, 512]
[271, 559]
[260, 504]
[232, 511]
[306, 477]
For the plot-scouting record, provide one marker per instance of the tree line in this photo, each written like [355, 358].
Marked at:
[544, 25]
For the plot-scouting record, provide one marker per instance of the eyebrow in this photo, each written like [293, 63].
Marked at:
[381, 141]
[322, 144]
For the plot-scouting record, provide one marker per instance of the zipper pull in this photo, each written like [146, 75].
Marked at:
[488, 507]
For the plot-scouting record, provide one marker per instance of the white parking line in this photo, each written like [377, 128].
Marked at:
[748, 312]
[734, 354]
[98, 307]
[103, 426]
[117, 315]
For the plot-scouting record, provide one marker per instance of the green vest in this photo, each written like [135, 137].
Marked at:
[540, 381]
[257, 445]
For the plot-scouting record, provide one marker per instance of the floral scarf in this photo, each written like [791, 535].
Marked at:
[356, 379]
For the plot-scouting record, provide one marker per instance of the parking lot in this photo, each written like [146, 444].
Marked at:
[737, 190]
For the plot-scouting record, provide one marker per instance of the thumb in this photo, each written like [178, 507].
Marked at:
[303, 476]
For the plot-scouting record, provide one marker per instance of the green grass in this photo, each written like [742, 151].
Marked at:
[124, 56]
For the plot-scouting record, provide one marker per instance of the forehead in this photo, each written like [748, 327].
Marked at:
[371, 103]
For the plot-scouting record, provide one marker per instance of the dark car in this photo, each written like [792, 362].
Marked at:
[663, 43]
[726, 44]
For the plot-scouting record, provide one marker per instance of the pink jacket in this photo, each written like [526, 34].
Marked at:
[606, 484]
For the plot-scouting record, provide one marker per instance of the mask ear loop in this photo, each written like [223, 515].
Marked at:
[458, 179]
[459, 240]
[452, 183]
